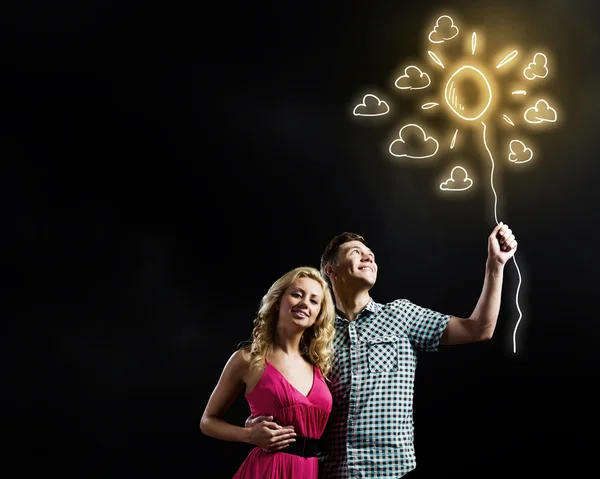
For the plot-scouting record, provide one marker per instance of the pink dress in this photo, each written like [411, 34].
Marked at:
[274, 396]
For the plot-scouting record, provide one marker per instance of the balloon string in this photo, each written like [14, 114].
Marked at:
[496, 219]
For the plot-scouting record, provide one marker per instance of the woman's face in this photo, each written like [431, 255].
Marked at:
[300, 304]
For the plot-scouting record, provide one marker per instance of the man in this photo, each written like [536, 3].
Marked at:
[370, 430]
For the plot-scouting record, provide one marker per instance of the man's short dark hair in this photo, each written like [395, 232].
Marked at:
[331, 250]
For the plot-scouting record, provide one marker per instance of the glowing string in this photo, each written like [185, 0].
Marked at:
[514, 255]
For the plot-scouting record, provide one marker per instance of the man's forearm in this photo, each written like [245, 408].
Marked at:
[485, 314]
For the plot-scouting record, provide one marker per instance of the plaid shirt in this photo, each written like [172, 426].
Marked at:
[370, 430]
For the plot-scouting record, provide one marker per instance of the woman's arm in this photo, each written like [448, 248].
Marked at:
[264, 434]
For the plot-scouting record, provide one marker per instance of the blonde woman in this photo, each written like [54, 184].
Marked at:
[282, 375]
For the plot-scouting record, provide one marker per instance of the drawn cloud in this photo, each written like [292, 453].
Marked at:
[459, 180]
[413, 79]
[444, 30]
[538, 68]
[540, 112]
[423, 146]
[519, 153]
[371, 106]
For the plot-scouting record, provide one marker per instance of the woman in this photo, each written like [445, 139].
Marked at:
[282, 375]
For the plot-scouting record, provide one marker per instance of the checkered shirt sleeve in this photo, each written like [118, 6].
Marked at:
[370, 430]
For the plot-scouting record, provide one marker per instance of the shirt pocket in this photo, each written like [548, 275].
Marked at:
[382, 354]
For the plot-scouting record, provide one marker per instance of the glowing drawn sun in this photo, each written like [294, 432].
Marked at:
[470, 99]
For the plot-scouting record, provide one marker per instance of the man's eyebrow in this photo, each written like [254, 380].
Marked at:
[366, 248]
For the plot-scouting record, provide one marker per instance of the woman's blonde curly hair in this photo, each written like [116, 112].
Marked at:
[316, 341]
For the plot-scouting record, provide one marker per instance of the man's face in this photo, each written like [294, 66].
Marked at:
[355, 264]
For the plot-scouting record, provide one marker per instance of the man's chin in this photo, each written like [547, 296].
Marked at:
[369, 278]
[367, 282]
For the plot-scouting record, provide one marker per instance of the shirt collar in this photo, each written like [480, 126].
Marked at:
[371, 307]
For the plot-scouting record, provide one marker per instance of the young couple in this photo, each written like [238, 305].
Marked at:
[330, 388]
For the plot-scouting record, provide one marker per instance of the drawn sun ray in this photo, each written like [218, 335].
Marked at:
[470, 99]
[453, 139]
[435, 58]
[508, 58]
[507, 119]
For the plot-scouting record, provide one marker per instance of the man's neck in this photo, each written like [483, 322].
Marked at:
[351, 303]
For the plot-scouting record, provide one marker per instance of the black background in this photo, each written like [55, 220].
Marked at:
[163, 165]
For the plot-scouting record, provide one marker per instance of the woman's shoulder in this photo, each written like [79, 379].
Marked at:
[242, 355]
[239, 361]
[247, 368]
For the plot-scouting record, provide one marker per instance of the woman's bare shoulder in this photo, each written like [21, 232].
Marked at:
[239, 362]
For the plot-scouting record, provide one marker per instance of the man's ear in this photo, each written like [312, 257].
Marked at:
[329, 270]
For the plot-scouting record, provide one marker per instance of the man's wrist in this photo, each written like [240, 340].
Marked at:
[247, 435]
[494, 267]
